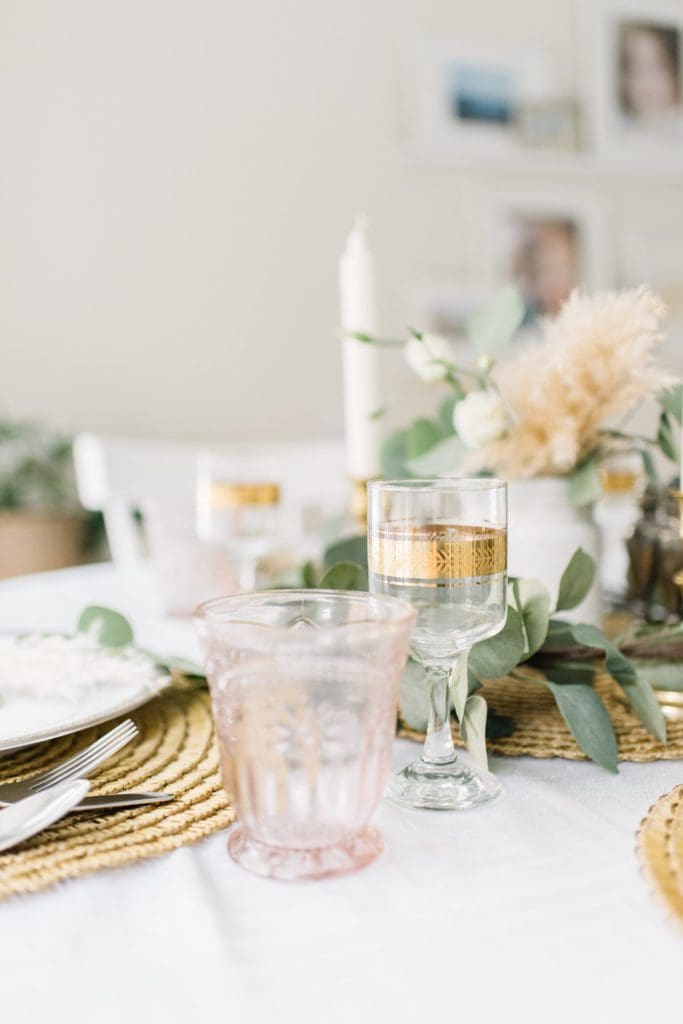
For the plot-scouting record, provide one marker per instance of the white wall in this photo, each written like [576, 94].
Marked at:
[176, 183]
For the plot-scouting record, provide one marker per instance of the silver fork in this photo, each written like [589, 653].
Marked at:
[78, 766]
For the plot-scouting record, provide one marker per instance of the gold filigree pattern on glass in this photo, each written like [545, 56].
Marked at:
[436, 551]
[233, 495]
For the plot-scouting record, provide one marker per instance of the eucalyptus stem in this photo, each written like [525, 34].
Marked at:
[621, 436]
[369, 339]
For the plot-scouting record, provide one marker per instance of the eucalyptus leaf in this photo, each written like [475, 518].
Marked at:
[645, 705]
[672, 401]
[459, 685]
[446, 414]
[585, 486]
[345, 576]
[473, 729]
[567, 672]
[661, 675]
[111, 628]
[444, 457]
[498, 726]
[534, 600]
[393, 456]
[666, 439]
[495, 657]
[490, 328]
[559, 636]
[308, 575]
[649, 467]
[351, 549]
[587, 720]
[577, 580]
[635, 688]
[421, 437]
[414, 696]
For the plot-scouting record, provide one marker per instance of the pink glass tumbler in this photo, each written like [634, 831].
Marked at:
[304, 686]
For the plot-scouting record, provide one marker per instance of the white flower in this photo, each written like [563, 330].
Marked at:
[426, 355]
[486, 362]
[480, 418]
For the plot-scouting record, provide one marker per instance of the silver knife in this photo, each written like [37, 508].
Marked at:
[115, 800]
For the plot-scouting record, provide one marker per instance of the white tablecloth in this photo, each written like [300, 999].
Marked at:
[531, 909]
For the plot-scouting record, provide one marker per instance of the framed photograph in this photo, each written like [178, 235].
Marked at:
[469, 98]
[548, 244]
[550, 125]
[638, 72]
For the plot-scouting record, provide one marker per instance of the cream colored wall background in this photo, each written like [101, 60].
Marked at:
[176, 183]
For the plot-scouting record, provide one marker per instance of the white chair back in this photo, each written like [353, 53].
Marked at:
[116, 476]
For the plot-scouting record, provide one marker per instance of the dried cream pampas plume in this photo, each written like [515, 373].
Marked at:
[596, 361]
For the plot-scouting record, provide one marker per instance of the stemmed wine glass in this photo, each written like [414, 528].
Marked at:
[442, 546]
[238, 508]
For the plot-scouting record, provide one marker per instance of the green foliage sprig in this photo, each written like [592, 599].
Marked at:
[538, 647]
[36, 468]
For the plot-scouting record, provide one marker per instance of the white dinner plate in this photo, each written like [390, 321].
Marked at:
[27, 719]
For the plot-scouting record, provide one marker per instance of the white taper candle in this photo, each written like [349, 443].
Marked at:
[361, 361]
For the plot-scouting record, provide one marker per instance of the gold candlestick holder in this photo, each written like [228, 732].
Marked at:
[358, 506]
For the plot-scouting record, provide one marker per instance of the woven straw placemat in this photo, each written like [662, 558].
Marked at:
[660, 849]
[176, 752]
[540, 730]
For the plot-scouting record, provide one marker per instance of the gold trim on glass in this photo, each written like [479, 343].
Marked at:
[230, 495]
[437, 551]
[618, 481]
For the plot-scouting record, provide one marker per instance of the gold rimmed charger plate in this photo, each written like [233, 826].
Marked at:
[659, 844]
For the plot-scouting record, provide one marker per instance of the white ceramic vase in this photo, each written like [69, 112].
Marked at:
[545, 530]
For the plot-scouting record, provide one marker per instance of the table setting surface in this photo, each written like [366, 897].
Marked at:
[535, 907]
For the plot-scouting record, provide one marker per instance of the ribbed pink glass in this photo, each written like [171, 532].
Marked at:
[304, 686]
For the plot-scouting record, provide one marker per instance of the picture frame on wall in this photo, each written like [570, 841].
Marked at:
[469, 97]
[637, 74]
[548, 244]
[550, 125]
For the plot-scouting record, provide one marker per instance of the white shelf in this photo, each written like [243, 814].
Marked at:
[537, 162]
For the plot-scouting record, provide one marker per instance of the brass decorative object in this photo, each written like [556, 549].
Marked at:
[678, 495]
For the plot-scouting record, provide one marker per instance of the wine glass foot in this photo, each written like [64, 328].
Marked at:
[349, 854]
[442, 787]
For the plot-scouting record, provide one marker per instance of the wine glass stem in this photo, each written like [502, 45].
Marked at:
[247, 573]
[438, 745]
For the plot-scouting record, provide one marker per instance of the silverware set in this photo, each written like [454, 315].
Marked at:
[37, 802]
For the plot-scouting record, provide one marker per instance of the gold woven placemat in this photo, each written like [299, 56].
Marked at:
[540, 730]
[176, 752]
[660, 849]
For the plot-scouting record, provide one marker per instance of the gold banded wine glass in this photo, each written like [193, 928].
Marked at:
[442, 546]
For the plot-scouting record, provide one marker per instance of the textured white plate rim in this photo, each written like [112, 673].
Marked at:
[77, 724]
[66, 726]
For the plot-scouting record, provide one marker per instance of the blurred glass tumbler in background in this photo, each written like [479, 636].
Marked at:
[238, 511]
